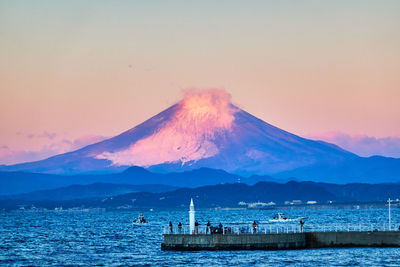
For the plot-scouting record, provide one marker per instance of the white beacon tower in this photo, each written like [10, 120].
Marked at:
[191, 217]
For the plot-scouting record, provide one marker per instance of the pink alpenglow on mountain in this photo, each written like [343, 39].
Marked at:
[189, 135]
[205, 129]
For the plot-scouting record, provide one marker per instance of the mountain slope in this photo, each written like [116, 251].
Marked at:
[374, 169]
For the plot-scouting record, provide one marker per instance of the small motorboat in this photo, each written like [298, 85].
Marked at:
[140, 220]
[280, 217]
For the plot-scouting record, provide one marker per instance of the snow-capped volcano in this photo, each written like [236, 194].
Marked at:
[188, 135]
[204, 129]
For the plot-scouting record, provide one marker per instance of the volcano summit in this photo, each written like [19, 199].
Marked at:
[206, 130]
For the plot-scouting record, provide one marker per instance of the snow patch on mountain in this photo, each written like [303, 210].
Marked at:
[188, 136]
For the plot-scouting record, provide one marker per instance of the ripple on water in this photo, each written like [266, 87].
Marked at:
[109, 238]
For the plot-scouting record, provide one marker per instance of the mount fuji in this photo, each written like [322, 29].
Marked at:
[205, 129]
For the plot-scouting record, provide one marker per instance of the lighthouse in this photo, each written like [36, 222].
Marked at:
[191, 216]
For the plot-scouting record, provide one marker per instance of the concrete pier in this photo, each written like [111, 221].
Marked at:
[352, 239]
[280, 241]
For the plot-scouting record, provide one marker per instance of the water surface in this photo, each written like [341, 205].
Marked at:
[109, 238]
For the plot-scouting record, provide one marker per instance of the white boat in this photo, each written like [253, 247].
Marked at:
[280, 217]
[140, 220]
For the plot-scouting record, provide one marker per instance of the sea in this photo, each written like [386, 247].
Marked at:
[108, 238]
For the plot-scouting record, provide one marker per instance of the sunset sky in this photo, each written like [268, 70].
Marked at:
[76, 72]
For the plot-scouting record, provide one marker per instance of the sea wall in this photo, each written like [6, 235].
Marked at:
[280, 241]
[234, 242]
[353, 239]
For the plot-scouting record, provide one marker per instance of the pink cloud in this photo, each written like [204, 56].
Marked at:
[44, 134]
[13, 156]
[10, 156]
[83, 141]
[363, 145]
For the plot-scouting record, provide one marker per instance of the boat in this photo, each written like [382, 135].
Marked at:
[140, 220]
[280, 217]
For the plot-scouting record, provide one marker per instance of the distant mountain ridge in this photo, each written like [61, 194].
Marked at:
[226, 195]
[12, 183]
[96, 190]
[229, 195]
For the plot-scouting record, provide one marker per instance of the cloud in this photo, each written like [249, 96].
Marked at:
[81, 141]
[9, 156]
[13, 156]
[363, 145]
[44, 135]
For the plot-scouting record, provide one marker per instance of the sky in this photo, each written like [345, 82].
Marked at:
[76, 72]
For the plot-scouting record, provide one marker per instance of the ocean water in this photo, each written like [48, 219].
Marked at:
[110, 239]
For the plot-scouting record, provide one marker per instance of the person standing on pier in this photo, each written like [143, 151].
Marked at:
[220, 231]
[170, 227]
[196, 227]
[208, 227]
[301, 225]
[180, 227]
[255, 227]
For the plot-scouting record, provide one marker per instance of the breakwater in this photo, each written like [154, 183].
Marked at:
[280, 241]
